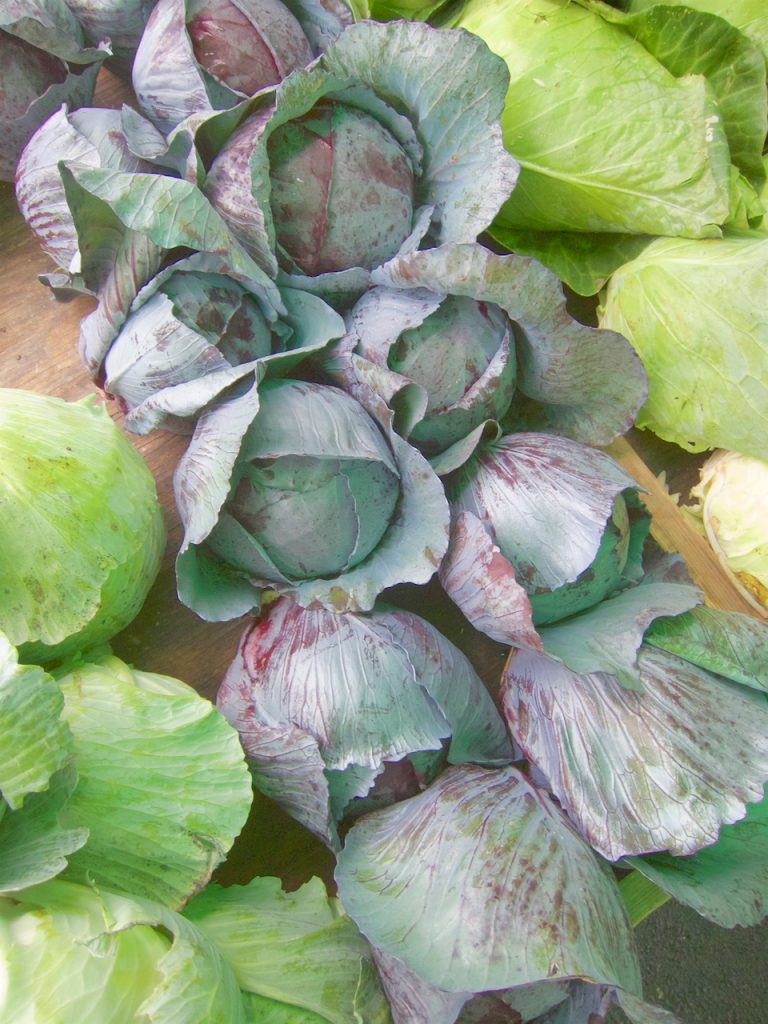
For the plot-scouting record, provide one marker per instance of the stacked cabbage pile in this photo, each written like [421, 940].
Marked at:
[287, 268]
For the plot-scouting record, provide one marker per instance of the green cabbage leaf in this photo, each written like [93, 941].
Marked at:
[695, 313]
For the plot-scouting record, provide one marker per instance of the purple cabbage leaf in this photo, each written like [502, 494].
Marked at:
[546, 527]
[443, 882]
[324, 702]
[660, 767]
[726, 882]
[90, 136]
[45, 63]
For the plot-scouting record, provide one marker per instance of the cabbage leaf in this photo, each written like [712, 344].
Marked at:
[694, 310]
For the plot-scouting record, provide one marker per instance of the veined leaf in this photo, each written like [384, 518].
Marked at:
[296, 948]
[726, 882]
[657, 769]
[137, 737]
[443, 882]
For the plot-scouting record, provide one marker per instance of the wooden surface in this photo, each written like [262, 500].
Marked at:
[38, 338]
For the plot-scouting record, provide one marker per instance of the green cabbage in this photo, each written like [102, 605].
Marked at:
[113, 777]
[73, 952]
[250, 953]
[751, 16]
[607, 138]
[81, 530]
[733, 512]
[695, 313]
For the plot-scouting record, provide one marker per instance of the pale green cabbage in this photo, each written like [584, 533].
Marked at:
[81, 529]
[123, 779]
[733, 512]
[74, 953]
[607, 138]
[695, 312]
[751, 16]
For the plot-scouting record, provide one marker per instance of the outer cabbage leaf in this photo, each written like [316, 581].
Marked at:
[36, 742]
[288, 767]
[173, 88]
[50, 26]
[584, 260]
[338, 677]
[120, 21]
[477, 732]
[726, 882]
[728, 643]
[505, 485]
[638, 1011]
[588, 162]
[297, 948]
[577, 381]
[413, 1000]
[693, 310]
[750, 16]
[34, 841]
[416, 10]
[139, 737]
[322, 701]
[533, 1004]
[92, 136]
[260, 1010]
[177, 401]
[36, 775]
[540, 530]
[689, 42]
[573, 1002]
[114, 263]
[39, 191]
[82, 530]
[481, 582]
[107, 959]
[202, 475]
[323, 20]
[606, 638]
[443, 882]
[660, 769]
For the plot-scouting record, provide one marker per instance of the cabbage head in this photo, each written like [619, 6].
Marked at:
[695, 313]
[733, 513]
[81, 529]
